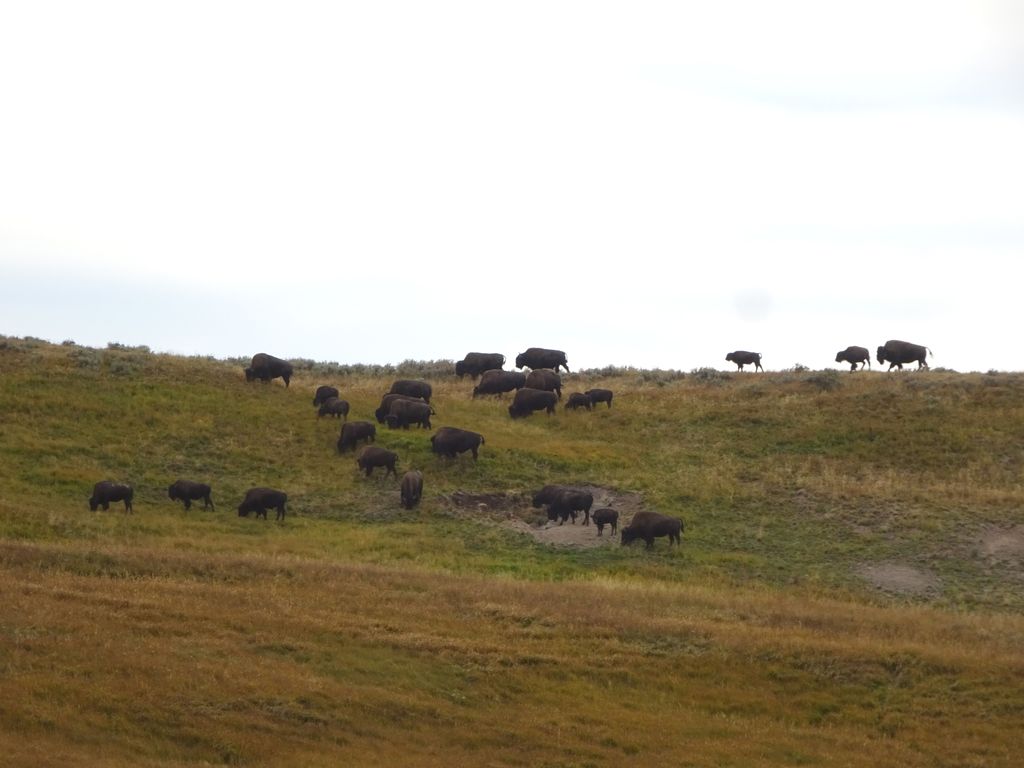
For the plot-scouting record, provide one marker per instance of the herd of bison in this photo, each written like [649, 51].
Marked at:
[408, 403]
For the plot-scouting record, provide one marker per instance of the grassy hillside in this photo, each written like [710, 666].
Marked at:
[848, 591]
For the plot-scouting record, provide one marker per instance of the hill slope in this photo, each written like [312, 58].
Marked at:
[848, 589]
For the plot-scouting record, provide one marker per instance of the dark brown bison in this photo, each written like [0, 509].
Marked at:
[334, 407]
[564, 501]
[650, 526]
[106, 491]
[529, 400]
[412, 488]
[853, 356]
[475, 363]
[537, 357]
[385, 405]
[603, 517]
[412, 388]
[324, 392]
[406, 412]
[546, 379]
[896, 353]
[266, 367]
[449, 441]
[577, 400]
[373, 456]
[745, 358]
[258, 500]
[354, 431]
[499, 382]
[599, 396]
[188, 491]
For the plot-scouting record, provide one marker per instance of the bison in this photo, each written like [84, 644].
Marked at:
[899, 352]
[568, 502]
[324, 392]
[475, 363]
[385, 405]
[745, 358]
[406, 412]
[354, 431]
[412, 488]
[266, 367]
[106, 491]
[546, 379]
[496, 382]
[373, 456]
[188, 491]
[564, 501]
[529, 400]
[258, 500]
[449, 441]
[334, 406]
[605, 516]
[650, 526]
[599, 396]
[412, 388]
[854, 355]
[577, 400]
[537, 357]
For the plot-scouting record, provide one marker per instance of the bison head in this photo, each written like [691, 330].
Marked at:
[243, 511]
[93, 503]
[171, 494]
[881, 354]
[460, 369]
[729, 357]
[629, 536]
[250, 374]
[519, 361]
[841, 356]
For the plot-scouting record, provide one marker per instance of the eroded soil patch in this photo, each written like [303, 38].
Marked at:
[900, 579]
[514, 511]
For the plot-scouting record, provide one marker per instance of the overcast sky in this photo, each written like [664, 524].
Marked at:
[647, 184]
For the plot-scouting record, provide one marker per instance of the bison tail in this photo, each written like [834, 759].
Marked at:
[929, 352]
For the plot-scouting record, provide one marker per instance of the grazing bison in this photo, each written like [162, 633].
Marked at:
[577, 400]
[546, 379]
[563, 501]
[899, 352]
[603, 517]
[258, 500]
[475, 363]
[854, 355]
[354, 431]
[106, 491]
[599, 396]
[266, 367]
[537, 357]
[498, 382]
[333, 406]
[411, 388]
[449, 441]
[745, 358]
[385, 405]
[529, 400]
[406, 412]
[188, 491]
[324, 392]
[372, 456]
[651, 525]
[412, 488]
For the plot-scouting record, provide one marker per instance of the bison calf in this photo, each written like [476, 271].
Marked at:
[322, 393]
[599, 396]
[577, 400]
[603, 517]
[334, 407]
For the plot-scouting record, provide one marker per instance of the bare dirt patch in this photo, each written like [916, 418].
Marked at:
[999, 543]
[514, 511]
[900, 579]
